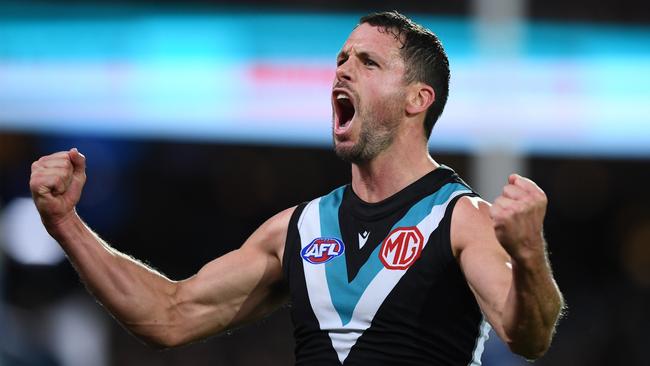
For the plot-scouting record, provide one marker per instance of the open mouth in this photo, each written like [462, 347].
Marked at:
[344, 109]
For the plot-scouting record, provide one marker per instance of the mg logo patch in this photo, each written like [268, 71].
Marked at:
[322, 250]
[401, 248]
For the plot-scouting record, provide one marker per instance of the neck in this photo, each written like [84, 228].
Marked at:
[391, 171]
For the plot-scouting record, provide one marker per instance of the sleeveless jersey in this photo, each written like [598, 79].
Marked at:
[377, 284]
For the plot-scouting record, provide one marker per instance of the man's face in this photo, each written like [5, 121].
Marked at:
[368, 96]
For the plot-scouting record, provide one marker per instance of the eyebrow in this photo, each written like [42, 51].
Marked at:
[371, 55]
[362, 54]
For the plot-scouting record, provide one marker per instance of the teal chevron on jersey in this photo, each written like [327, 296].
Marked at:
[336, 270]
[328, 207]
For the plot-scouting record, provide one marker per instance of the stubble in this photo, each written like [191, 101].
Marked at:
[378, 129]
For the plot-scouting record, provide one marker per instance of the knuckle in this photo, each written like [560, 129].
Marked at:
[526, 200]
[521, 207]
[505, 205]
[58, 180]
[35, 178]
[539, 199]
[498, 216]
[543, 197]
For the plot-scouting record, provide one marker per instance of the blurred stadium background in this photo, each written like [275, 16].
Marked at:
[201, 118]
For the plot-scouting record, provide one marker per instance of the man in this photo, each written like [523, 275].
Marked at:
[402, 267]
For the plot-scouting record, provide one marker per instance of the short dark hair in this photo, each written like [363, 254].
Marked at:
[424, 57]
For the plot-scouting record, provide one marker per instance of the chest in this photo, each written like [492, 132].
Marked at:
[351, 264]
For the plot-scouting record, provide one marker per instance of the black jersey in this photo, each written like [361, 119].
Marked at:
[377, 284]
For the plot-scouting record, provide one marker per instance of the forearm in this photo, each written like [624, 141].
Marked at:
[230, 290]
[532, 308]
[138, 296]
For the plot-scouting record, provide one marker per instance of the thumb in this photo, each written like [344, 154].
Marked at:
[78, 161]
[513, 178]
[78, 174]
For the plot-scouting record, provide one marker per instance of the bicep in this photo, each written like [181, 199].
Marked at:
[239, 287]
[484, 262]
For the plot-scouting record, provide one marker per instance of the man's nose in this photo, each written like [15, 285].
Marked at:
[344, 72]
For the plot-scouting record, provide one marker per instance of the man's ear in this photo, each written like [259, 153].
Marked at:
[420, 98]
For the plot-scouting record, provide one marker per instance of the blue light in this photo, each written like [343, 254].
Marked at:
[250, 77]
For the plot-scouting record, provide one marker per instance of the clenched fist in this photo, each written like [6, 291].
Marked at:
[518, 216]
[56, 184]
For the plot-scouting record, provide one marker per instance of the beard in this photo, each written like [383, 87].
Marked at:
[377, 133]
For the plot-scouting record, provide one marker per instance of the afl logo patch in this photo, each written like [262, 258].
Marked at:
[322, 250]
[401, 248]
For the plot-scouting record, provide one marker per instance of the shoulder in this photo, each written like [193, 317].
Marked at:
[280, 221]
[470, 223]
[270, 237]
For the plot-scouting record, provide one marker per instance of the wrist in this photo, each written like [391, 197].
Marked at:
[530, 253]
[530, 264]
[58, 226]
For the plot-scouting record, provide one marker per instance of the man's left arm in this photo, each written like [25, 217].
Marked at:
[502, 252]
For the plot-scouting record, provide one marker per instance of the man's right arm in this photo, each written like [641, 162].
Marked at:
[236, 288]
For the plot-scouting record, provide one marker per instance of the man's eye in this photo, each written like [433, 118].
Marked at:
[369, 62]
[340, 62]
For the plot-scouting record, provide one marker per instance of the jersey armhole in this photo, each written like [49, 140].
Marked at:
[292, 239]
